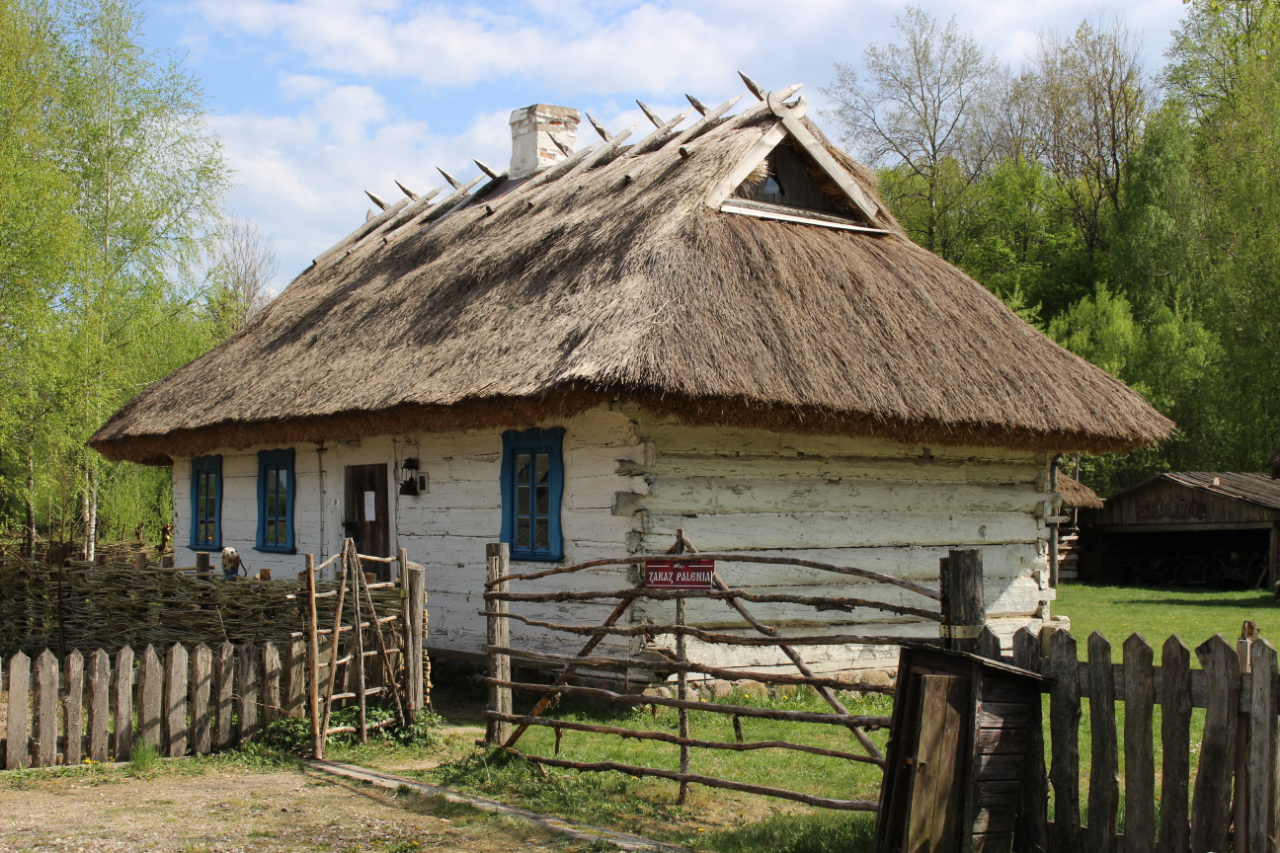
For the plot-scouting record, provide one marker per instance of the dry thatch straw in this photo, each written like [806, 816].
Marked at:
[619, 283]
[1076, 494]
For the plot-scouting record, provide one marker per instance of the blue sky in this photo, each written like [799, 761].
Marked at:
[318, 100]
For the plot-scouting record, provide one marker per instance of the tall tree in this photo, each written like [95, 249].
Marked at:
[244, 267]
[919, 113]
[150, 177]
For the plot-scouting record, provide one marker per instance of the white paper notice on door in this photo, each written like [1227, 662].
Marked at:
[370, 507]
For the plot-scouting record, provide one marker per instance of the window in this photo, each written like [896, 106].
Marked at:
[532, 486]
[206, 503]
[275, 501]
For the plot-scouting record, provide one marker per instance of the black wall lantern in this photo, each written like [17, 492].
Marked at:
[410, 485]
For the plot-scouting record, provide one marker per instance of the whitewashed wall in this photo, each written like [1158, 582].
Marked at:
[631, 480]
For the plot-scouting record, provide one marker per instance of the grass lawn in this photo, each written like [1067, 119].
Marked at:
[1193, 614]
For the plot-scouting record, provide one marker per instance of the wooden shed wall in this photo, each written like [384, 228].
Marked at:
[1164, 502]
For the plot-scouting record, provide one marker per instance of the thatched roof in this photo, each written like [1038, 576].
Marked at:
[610, 276]
[1076, 494]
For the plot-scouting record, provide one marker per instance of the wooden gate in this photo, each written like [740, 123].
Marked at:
[678, 661]
[357, 635]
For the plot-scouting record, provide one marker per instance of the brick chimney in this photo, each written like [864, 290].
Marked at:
[532, 130]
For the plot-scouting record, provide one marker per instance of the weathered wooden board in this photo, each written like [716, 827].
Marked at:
[45, 706]
[935, 798]
[73, 707]
[224, 687]
[18, 722]
[1139, 748]
[175, 701]
[123, 704]
[1211, 801]
[201, 700]
[1175, 741]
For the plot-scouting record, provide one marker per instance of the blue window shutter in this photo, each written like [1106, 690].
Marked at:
[206, 483]
[524, 512]
[276, 488]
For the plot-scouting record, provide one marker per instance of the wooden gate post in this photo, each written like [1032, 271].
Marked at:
[498, 562]
[964, 606]
[313, 662]
[414, 582]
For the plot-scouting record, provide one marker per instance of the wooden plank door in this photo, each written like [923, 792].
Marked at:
[936, 789]
[365, 515]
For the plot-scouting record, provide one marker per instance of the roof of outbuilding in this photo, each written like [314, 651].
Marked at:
[609, 275]
[1254, 488]
[1076, 494]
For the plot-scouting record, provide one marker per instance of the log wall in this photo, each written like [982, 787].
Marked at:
[632, 480]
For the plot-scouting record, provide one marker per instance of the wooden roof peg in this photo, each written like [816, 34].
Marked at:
[410, 193]
[600, 129]
[488, 170]
[379, 202]
[650, 114]
[756, 89]
[698, 105]
[368, 214]
[564, 149]
[453, 182]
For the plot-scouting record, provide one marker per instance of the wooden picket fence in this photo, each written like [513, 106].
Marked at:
[1230, 800]
[98, 707]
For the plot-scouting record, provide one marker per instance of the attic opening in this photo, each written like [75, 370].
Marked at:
[789, 182]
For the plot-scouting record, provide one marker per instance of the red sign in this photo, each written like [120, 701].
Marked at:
[670, 574]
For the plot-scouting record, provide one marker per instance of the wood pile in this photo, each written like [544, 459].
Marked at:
[117, 605]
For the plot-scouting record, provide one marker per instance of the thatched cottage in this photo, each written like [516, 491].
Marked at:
[715, 326]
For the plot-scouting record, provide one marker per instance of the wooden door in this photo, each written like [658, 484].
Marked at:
[365, 515]
[936, 783]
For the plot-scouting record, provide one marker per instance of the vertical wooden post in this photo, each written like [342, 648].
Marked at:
[964, 607]
[1273, 558]
[1064, 725]
[497, 564]
[123, 704]
[100, 707]
[140, 561]
[682, 691]
[224, 688]
[201, 693]
[202, 562]
[357, 632]
[1243, 784]
[1211, 801]
[1139, 747]
[1032, 832]
[73, 708]
[313, 661]
[247, 678]
[295, 671]
[1261, 750]
[1104, 773]
[175, 701]
[150, 698]
[413, 580]
[271, 701]
[17, 748]
[46, 710]
[1175, 740]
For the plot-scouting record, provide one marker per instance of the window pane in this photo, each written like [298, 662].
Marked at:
[543, 542]
[522, 468]
[270, 537]
[522, 500]
[544, 500]
[522, 532]
[544, 467]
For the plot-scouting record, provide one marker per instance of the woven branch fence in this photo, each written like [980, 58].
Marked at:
[118, 605]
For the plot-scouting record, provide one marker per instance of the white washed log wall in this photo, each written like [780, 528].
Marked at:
[632, 480]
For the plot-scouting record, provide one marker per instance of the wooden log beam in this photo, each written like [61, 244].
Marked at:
[676, 739]
[672, 665]
[708, 781]
[879, 577]
[713, 637]
[871, 722]
[818, 602]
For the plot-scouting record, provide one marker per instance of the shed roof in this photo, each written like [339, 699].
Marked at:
[1076, 494]
[617, 274]
[1257, 489]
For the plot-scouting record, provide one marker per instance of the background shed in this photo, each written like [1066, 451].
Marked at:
[1188, 527]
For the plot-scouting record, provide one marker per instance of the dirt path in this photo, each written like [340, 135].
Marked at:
[229, 810]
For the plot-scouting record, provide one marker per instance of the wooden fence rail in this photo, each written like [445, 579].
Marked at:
[180, 700]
